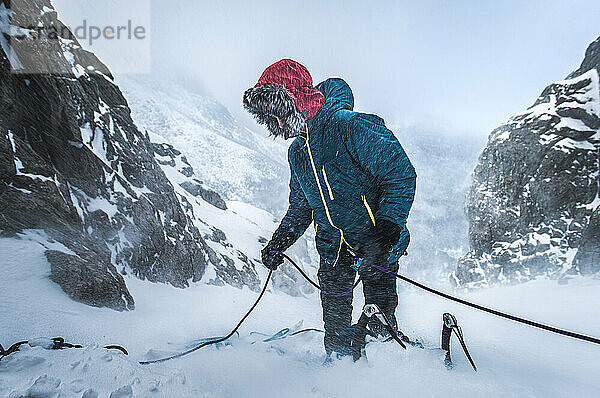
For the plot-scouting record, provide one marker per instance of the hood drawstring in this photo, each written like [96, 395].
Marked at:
[323, 200]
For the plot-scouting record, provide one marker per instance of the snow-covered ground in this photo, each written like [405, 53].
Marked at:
[513, 360]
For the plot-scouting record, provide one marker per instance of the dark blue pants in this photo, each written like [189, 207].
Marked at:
[378, 287]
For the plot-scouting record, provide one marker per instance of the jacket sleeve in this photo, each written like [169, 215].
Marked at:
[297, 218]
[376, 150]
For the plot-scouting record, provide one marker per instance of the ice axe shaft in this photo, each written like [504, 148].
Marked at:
[451, 325]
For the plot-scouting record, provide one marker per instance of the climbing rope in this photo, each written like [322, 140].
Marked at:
[460, 301]
[219, 340]
[58, 343]
[490, 310]
[313, 282]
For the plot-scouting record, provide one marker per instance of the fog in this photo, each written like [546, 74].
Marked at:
[459, 69]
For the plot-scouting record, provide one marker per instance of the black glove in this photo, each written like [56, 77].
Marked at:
[387, 235]
[281, 240]
[270, 259]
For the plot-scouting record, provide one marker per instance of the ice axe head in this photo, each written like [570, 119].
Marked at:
[449, 320]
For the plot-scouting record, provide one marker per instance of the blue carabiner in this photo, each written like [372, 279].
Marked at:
[357, 264]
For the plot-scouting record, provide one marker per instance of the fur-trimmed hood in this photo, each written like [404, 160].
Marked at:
[284, 98]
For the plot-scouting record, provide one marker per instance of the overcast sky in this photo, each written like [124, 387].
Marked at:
[452, 66]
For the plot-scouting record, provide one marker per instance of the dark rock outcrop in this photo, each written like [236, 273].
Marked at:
[81, 281]
[166, 155]
[591, 60]
[533, 208]
[73, 163]
[197, 188]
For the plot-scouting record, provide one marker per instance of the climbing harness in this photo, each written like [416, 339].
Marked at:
[357, 264]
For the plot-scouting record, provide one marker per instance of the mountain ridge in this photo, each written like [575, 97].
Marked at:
[533, 207]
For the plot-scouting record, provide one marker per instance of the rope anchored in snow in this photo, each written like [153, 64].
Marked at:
[284, 333]
[500, 314]
[57, 343]
[221, 339]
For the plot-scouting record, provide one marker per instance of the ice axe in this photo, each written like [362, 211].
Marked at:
[451, 325]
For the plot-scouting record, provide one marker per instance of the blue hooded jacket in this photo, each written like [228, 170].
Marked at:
[347, 171]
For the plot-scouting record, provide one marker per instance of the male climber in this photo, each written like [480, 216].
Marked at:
[350, 176]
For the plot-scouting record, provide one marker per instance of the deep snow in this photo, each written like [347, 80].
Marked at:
[513, 360]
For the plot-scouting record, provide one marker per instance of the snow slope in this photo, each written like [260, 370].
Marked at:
[241, 164]
[237, 233]
[513, 360]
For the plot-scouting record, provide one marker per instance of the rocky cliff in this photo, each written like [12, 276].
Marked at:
[533, 207]
[75, 168]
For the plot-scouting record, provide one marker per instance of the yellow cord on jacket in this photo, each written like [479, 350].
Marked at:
[314, 168]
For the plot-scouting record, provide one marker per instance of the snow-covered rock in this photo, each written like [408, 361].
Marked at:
[109, 200]
[533, 207]
[246, 166]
